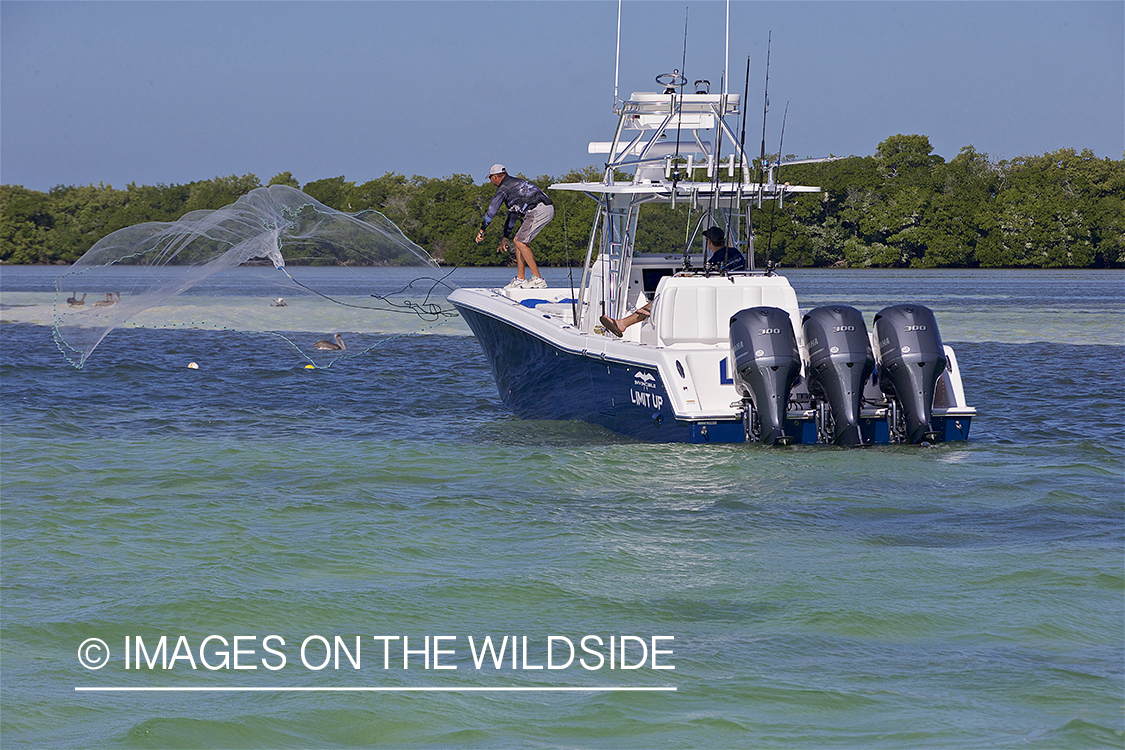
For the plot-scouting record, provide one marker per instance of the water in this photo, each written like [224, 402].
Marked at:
[964, 596]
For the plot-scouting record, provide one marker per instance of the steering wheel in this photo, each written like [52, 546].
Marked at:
[671, 80]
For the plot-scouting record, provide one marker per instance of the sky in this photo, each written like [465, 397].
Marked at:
[158, 92]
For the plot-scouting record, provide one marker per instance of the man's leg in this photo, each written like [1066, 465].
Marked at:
[525, 256]
[536, 219]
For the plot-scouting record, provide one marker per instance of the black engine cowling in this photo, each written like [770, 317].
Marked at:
[840, 362]
[767, 364]
[911, 359]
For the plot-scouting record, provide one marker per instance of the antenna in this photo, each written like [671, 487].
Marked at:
[617, 62]
[726, 58]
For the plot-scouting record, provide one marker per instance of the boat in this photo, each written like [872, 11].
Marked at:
[724, 356]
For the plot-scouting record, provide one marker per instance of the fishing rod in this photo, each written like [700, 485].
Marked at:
[777, 181]
[715, 177]
[569, 268]
[679, 126]
[742, 163]
[679, 123]
[742, 135]
[765, 109]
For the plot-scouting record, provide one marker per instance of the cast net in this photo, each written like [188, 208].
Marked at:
[261, 264]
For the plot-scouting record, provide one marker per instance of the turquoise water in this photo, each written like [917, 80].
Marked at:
[963, 596]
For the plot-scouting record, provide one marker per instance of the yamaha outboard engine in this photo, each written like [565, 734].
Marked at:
[840, 362]
[911, 359]
[767, 364]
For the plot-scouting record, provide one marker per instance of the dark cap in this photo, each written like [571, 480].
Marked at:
[716, 235]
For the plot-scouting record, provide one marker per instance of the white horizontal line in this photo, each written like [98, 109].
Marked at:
[374, 689]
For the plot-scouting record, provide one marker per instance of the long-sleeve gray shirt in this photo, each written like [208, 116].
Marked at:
[520, 196]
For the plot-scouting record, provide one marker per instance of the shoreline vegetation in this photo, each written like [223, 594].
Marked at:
[903, 207]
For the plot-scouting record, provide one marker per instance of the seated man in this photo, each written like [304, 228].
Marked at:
[719, 258]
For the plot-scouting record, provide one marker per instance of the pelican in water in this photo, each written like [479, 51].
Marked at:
[73, 301]
[279, 302]
[328, 345]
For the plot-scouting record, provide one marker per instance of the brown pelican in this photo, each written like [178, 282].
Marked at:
[109, 300]
[279, 302]
[338, 346]
[75, 302]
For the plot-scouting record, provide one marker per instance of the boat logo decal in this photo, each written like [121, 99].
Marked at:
[835, 350]
[906, 350]
[645, 398]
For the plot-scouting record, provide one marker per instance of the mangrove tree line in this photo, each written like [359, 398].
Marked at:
[904, 206]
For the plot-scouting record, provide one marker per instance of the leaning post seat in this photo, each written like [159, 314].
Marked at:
[697, 309]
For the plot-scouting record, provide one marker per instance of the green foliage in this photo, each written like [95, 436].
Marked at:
[334, 192]
[1053, 209]
[25, 224]
[219, 192]
[905, 207]
[284, 178]
[901, 207]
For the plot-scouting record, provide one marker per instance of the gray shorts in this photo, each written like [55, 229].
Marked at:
[534, 221]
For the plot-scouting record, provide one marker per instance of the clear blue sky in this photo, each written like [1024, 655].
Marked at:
[172, 92]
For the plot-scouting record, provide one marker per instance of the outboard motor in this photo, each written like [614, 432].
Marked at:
[767, 364]
[840, 362]
[911, 358]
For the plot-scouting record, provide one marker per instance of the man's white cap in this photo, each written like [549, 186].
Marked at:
[496, 169]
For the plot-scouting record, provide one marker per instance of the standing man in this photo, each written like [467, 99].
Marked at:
[524, 201]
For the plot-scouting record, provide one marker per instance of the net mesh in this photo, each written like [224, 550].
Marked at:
[274, 240]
